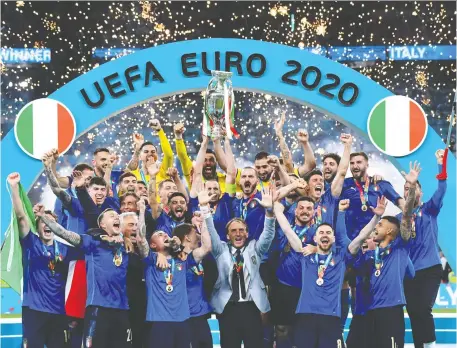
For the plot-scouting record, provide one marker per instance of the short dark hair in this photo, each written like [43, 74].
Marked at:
[354, 154]
[141, 182]
[312, 173]
[333, 156]
[101, 149]
[294, 175]
[126, 175]
[100, 217]
[82, 166]
[163, 182]
[325, 224]
[393, 220]
[176, 194]
[209, 151]
[183, 230]
[96, 180]
[147, 143]
[261, 155]
[304, 199]
[128, 194]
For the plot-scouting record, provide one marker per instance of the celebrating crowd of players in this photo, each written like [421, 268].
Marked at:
[143, 257]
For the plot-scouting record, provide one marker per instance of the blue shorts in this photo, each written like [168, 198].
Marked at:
[317, 331]
[168, 334]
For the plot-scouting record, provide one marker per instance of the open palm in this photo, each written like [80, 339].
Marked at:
[414, 171]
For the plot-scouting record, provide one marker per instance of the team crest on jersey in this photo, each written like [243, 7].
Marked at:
[254, 260]
[253, 204]
[332, 263]
[324, 209]
[179, 266]
[88, 341]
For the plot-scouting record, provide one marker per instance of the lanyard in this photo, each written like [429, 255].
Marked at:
[173, 224]
[416, 212]
[318, 213]
[302, 232]
[238, 265]
[168, 274]
[378, 258]
[244, 206]
[363, 192]
[322, 268]
[57, 257]
[143, 177]
[198, 270]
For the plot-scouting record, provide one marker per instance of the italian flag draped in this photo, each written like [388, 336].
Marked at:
[397, 126]
[42, 125]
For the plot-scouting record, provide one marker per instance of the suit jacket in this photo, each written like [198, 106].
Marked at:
[252, 255]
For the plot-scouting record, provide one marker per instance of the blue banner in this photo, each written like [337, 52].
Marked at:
[442, 52]
[25, 55]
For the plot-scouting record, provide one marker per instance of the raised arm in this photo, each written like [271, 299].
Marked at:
[198, 168]
[215, 245]
[285, 152]
[411, 178]
[167, 151]
[174, 175]
[153, 169]
[138, 140]
[181, 152]
[205, 248]
[53, 182]
[143, 246]
[230, 178]
[71, 237]
[63, 181]
[292, 237]
[436, 202]
[279, 170]
[337, 184]
[220, 155]
[14, 182]
[284, 191]
[341, 236]
[309, 162]
[355, 245]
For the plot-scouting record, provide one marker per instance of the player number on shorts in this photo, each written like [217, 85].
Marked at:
[129, 335]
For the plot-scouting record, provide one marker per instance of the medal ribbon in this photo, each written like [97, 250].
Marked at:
[301, 233]
[143, 177]
[198, 270]
[57, 257]
[318, 214]
[117, 256]
[363, 191]
[416, 212]
[238, 266]
[322, 268]
[379, 255]
[168, 274]
[244, 206]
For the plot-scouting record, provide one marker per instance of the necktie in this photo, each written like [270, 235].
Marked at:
[238, 278]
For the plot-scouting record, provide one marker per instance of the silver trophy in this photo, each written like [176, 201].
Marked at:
[219, 105]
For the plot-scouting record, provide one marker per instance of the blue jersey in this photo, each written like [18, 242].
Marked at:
[325, 299]
[364, 297]
[356, 218]
[76, 221]
[44, 277]
[198, 303]
[222, 213]
[386, 288]
[424, 249]
[106, 282]
[252, 212]
[163, 305]
[166, 223]
[324, 209]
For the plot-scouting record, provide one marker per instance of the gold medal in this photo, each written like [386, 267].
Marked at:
[319, 281]
[413, 234]
[377, 273]
[117, 260]
[287, 248]
[169, 288]
[364, 208]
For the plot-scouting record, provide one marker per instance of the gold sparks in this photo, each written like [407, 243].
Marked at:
[421, 78]
[146, 9]
[281, 10]
[3, 68]
[426, 101]
[321, 29]
[38, 44]
[273, 11]
[448, 119]
[50, 25]
[159, 27]
[20, 3]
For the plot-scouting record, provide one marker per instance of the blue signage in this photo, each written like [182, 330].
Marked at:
[25, 55]
[442, 52]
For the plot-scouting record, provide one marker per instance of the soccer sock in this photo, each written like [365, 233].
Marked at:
[430, 345]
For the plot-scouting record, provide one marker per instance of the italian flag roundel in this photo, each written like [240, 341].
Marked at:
[42, 125]
[397, 126]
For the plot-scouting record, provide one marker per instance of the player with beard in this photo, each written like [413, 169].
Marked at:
[386, 267]
[421, 291]
[146, 151]
[322, 273]
[45, 263]
[363, 192]
[106, 323]
[129, 204]
[93, 198]
[136, 286]
[177, 204]
[127, 183]
[220, 205]
[330, 163]
[141, 190]
[167, 300]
